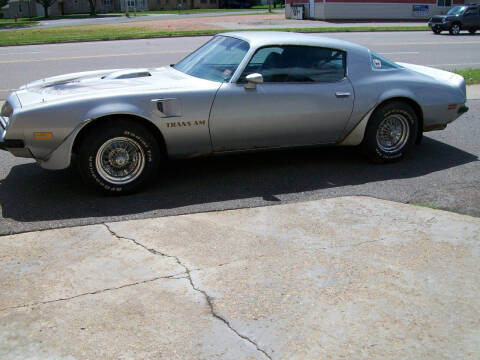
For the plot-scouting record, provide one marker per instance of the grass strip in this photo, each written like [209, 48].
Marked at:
[472, 76]
[425, 206]
[99, 32]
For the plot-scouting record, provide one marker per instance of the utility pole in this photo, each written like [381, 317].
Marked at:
[269, 5]
[126, 9]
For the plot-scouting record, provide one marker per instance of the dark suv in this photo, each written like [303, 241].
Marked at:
[464, 17]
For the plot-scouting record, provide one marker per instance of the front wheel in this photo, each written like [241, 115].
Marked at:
[436, 30]
[455, 29]
[391, 132]
[118, 157]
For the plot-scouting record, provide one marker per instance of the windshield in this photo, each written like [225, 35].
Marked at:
[217, 60]
[457, 10]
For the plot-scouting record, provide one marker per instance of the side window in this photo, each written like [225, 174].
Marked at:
[297, 64]
[262, 61]
[472, 11]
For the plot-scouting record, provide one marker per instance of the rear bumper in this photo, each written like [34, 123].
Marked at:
[462, 110]
[440, 126]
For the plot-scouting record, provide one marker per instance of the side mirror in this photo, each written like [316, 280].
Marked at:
[253, 80]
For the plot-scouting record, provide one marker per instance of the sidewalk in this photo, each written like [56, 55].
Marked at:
[473, 92]
[349, 277]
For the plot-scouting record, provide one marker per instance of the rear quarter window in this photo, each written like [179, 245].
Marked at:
[380, 63]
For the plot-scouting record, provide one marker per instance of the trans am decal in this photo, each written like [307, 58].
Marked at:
[186, 123]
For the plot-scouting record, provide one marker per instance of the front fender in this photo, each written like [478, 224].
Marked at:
[60, 157]
[143, 110]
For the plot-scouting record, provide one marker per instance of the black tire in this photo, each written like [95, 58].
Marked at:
[455, 29]
[436, 30]
[472, 31]
[118, 147]
[376, 134]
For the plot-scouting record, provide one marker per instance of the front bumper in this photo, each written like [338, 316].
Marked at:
[440, 26]
[8, 144]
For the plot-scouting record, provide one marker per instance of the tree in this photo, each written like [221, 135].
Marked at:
[46, 4]
[93, 6]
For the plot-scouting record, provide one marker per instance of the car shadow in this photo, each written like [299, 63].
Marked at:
[462, 34]
[30, 194]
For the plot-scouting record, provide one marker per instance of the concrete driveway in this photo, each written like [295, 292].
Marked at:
[351, 277]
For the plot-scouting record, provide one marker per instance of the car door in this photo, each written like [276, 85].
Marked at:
[471, 19]
[305, 99]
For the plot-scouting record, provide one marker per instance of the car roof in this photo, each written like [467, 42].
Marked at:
[265, 38]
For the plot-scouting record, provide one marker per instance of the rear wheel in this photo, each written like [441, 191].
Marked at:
[118, 157]
[391, 132]
[455, 29]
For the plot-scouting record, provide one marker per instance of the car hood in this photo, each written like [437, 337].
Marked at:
[438, 17]
[105, 82]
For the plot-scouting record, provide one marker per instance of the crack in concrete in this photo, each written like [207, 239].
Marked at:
[173, 277]
[188, 276]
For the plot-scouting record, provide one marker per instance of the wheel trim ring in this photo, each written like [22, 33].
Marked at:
[399, 122]
[138, 156]
[455, 28]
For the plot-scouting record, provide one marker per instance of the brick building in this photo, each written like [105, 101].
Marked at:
[30, 8]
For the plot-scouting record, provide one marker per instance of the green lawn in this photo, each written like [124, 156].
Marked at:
[99, 32]
[279, 6]
[472, 76]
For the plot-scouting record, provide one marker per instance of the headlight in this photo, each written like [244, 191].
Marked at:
[7, 110]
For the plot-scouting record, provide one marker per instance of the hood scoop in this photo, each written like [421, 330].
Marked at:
[127, 74]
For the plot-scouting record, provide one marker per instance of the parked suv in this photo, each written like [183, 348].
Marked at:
[464, 17]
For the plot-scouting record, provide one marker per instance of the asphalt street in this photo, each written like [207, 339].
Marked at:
[443, 171]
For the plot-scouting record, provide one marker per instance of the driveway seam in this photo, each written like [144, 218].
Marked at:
[207, 297]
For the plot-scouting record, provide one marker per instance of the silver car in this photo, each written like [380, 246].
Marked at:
[238, 92]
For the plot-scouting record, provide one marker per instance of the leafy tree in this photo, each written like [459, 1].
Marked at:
[93, 7]
[46, 4]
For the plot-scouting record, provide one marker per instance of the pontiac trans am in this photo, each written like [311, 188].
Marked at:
[238, 92]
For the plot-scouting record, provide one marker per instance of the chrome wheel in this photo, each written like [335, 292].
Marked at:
[455, 29]
[393, 133]
[120, 160]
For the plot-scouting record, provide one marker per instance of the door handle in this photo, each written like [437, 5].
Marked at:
[340, 94]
